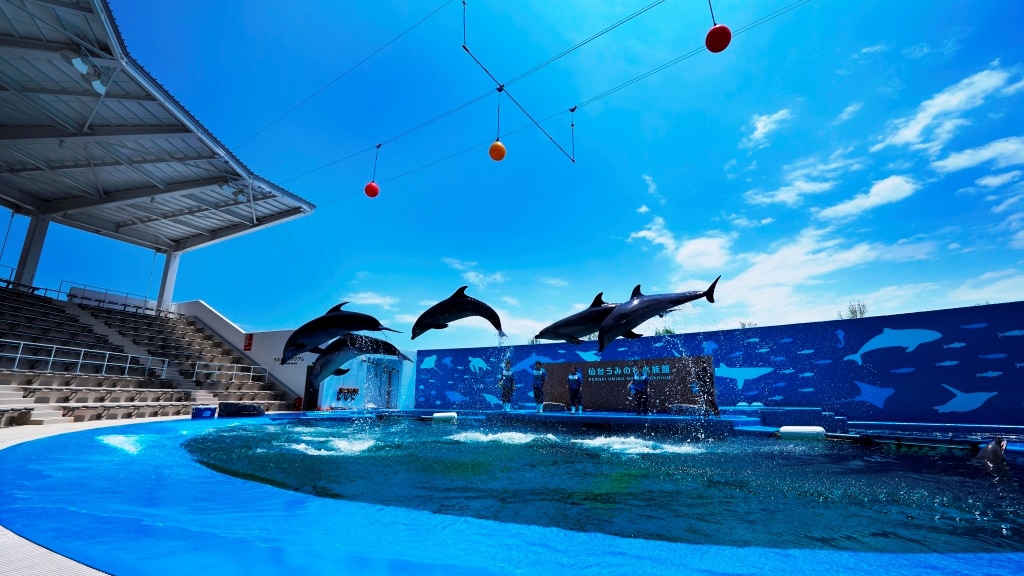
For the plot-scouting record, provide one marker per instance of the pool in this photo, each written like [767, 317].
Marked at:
[396, 497]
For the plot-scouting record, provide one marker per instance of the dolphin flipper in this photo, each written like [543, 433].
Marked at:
[573, 340]
[317, 350]
[632, 335]
[340, 372]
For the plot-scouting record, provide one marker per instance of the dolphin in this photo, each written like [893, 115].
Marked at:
[345, 348]
[641, 308]
[455, 307]
[909, 339]
[741, 375]
[994, 453]
[334, 323]
[964, 402]
[583, 323]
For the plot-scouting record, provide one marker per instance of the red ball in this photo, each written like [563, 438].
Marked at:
[497, 151]
[372, 189]
[718, 38]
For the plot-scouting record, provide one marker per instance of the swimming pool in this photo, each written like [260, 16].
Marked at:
[369, 497]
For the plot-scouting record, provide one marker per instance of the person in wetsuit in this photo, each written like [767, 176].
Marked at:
[539, 376]
[575, 382]
[507, 383]
[639, 387]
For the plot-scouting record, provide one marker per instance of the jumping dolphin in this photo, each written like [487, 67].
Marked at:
[909, 339]
[582, 323]
[641, 308]
[334, 323]
[994, 453]
[455, 307]
[345, 348]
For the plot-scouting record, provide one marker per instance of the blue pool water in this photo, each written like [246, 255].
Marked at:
[135, 500]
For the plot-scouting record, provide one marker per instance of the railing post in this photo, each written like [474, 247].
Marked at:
[127, 364]
[18, 357]
[81, 356]
[106, 359]
[53, 352]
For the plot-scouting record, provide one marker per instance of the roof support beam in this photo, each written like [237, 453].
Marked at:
[11, 196]
[104, 228]
[107, 164]
[224, 233]
[32, 135]
[64, 6]
[39, 164]
[72, 205]
[84, 94]
[31, 100]
[220, 210]
[128, 163]
[191, 212]
[10, 42]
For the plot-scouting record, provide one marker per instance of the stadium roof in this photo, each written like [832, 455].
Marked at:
[90, 139]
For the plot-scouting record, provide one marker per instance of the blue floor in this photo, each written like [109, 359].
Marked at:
[129, 500]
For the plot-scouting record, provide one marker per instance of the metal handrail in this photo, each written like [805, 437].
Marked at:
[215, 369]
[148, 307]
[11, 272]
[31, 351]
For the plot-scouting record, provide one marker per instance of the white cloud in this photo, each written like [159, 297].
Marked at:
[953, 246]
[1005, 152]
[406, 318]
[643, 209]
[556, 282]
[744, 222]
[371, 299]
[848, 112]
[1012, 88]
[916, 51]
[1005, 204]
[471, 274]
[516, 327]
[510, 300]
[710, 251]
[652, 187]
[998, 286]
[1017, 240]
[938, 118]
[763, 126]
[887, 191]
[871, 50]
[805, 177]
[997, 180]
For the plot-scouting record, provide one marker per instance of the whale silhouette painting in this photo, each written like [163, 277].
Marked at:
[889, 338]
[741, 375]
[872, 394]
[964, 402]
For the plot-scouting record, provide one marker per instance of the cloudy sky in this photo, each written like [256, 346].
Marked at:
[869, 151]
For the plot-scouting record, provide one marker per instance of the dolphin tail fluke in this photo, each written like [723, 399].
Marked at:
[404, 357]
[710, 293]
[501, 334]
[855, 358]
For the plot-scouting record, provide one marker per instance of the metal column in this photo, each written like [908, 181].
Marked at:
[167, 280]
[35, 236]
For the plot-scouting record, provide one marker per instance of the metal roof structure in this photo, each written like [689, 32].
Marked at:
[89, 139]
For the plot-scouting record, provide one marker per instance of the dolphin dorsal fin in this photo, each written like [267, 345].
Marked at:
[460, 293]
[598, 300]
[337, 308]
[636, 292]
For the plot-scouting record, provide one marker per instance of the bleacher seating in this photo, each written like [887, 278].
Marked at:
[56, 367]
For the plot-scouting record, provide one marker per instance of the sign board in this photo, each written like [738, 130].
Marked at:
[672, 382]
[247, 343]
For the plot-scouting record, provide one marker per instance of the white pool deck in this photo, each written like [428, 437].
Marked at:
[21, 557]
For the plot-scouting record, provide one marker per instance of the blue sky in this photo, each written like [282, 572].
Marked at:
[868, 151]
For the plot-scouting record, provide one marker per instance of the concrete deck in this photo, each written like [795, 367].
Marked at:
[21, 557]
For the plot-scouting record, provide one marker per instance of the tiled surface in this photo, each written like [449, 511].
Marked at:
[20, 557]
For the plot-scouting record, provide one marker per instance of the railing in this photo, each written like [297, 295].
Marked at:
[93, 296]
[7, 272]
[214, 369]
[30, 355]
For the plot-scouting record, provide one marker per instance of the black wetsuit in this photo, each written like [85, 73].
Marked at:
[508, 386]
[575, 382]
[640, 395]
[539, 376]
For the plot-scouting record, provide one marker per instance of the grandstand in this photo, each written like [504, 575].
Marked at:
[89, 139]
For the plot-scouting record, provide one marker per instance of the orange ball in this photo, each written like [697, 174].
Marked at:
[497, 151]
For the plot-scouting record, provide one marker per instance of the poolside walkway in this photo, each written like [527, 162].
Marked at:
[21, 557]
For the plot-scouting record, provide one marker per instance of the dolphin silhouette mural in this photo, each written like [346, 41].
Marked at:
[347, 347]
[528, 362]
[741, 375]
[889, 338]
[455, 307]
[312, 334]
[964, 401]
[641, 308]
[583, 323]
[589, 356]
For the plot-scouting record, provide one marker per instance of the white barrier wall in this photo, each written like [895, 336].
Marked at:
[265, 350]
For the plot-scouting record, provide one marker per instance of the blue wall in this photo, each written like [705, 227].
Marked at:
[908, 365]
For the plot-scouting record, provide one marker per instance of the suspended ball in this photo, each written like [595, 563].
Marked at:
[497, 151]
[718, 38]
[372, 189]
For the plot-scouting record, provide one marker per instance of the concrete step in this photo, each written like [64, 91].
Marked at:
[4, 394]
[46, 421]
[16, 401]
